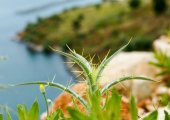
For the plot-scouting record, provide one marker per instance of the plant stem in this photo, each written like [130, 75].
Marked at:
[59, 86]
[46, 102]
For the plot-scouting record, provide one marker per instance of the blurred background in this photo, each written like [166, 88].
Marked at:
[28, 28]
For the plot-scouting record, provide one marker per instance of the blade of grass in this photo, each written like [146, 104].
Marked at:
[1, 117]
[8, 116]
[113, 106]
[77, 115]
[152, 116]
[21, 113]
[133, 109]
[34, 111]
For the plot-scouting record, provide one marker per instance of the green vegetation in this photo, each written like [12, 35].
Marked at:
[164, 99]
[159, 6]
[134, 3]
[94, 107]
[98, 28]
[163, 62]
[167, 33]
[25, 114]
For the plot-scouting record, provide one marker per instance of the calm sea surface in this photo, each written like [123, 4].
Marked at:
[22, 65]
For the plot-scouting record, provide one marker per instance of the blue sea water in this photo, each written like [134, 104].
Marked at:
[21, 64]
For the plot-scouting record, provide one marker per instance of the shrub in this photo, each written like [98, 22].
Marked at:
[163, 62]
[97, 6]
[39, 20]
[159, 6]
[167, 33]
[134, 4]
[140, 44]
[77, 22]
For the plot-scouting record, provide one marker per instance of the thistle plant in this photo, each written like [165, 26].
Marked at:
[92, 73]
[94, 106]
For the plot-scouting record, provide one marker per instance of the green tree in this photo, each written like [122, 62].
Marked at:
[77, 22]
[159, 6]
[134, 3]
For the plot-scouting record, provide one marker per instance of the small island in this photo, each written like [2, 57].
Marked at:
[97, 28]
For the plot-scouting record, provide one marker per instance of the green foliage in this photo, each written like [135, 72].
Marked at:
[98, 6]
[8, 116]
[133, 109]
[134, 3]
[163, 62]
[57, 115]
[113, 106]
[152, 116]
[111, 111]
[167, 116]
[94, 105]
[140, 44]
[159, 6]
[25, 114]
[1, 117]
[106, 28]
[94, 108]
[77, 22]
[77, 115]
[167, 33]
[164, 99]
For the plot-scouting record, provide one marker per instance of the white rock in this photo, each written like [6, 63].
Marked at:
[161, 90]
[162, 44]
[34, 47]
[132, 64]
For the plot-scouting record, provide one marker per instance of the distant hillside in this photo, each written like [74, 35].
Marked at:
[98, 28]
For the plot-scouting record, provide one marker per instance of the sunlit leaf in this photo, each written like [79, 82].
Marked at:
[34, 111]
[133, 109]
[167, 116]
[77, 115]
[152, 116]
[8, 116]
[1, 117]
[21, 114]
[113, 106]
[57, 115]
